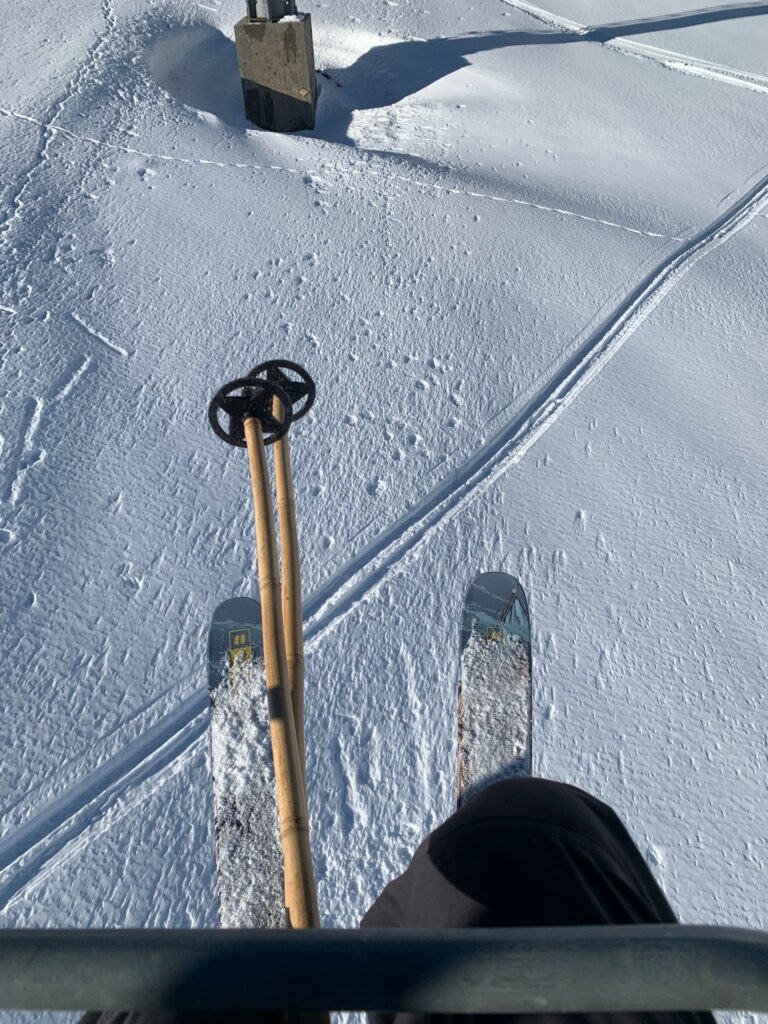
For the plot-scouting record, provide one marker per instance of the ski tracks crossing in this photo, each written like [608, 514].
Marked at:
[48, 835]
[30, 849]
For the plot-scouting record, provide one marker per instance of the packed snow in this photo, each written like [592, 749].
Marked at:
[523, 255]
[494, 721]
[249, 876]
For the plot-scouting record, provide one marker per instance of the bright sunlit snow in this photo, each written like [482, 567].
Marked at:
[523, 255]
[249, 875]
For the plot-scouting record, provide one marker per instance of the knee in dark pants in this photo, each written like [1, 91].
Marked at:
[524, 853]
[533, 852]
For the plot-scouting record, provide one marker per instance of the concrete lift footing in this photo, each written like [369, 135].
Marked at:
[277, 72]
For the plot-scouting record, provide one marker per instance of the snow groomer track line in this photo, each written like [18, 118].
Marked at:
[31, 848]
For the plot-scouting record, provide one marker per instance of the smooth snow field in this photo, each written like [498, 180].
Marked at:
[524, 257]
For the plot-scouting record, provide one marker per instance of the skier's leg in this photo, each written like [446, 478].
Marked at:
[523, 853]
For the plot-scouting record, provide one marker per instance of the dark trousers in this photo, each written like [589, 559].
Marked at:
[522, 853]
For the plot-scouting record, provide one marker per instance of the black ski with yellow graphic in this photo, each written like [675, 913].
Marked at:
[249, 858]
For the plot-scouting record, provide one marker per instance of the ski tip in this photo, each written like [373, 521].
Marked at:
[234, 617]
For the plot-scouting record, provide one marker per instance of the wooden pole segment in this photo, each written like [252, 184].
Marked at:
[300, 889]
[291, 574]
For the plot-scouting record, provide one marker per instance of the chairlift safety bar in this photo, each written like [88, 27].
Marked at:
[554, 970]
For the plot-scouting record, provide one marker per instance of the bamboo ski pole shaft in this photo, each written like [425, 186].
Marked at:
[291, 579]
[300, 888]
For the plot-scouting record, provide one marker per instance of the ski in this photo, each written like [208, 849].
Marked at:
[249, 860]
[494, 705]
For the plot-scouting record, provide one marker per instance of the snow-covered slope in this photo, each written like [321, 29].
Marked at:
[523, 256]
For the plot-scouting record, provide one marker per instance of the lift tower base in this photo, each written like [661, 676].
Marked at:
[277, 72]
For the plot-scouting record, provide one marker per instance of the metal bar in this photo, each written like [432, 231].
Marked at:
[554, 970]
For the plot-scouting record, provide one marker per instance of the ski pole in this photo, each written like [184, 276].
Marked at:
[291, 593]
[300, 894]
[250, 413]
[277, 371]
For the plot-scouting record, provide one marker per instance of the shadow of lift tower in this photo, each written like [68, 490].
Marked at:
[277, 66]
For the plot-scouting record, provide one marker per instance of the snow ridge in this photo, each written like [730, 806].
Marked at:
[48, 127]
[362, 167]
[666, 58]
[526, 202]
[100, 337]
[45, 835]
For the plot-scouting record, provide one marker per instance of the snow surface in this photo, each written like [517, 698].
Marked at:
[523, 254]
[494, 713]
[249, 860]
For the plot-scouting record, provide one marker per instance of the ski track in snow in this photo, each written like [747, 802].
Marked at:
[67, 380]
[26, 454]
[525, 202]
[111, 345]
[48, 128]
[47, 836]
[666, 58]
[361, 167]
